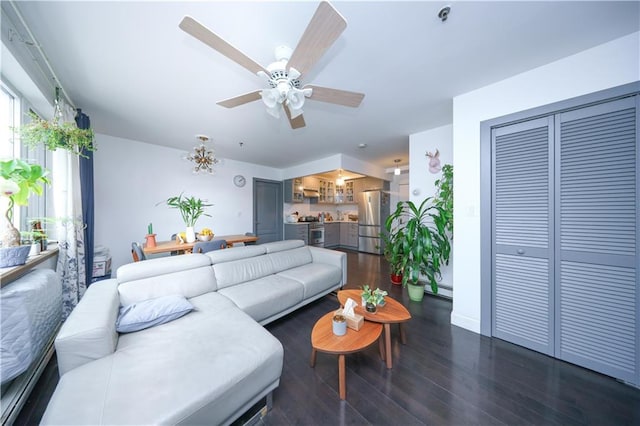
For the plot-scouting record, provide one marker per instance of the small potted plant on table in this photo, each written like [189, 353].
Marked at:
[191, 209]
[373, 298]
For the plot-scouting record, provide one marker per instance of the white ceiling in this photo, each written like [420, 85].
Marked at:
[138, 76]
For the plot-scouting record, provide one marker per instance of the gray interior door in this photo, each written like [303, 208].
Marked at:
[596, 278]
[267, 210]
[522, 246]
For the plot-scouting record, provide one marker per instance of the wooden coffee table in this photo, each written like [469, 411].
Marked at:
[392, 312]
[323, 340]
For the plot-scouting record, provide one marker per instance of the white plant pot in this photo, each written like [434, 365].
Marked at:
[191, 234]
[35, 249]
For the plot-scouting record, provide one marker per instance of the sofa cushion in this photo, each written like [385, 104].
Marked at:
[283, 260]
[148, 313]
[242, 252]
[315, 277]
[263, 297]
[90, 331]
[188, 275]
[201, 368]
[240, 271]
[277, 246]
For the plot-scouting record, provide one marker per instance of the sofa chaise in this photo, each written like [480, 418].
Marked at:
[206, 367]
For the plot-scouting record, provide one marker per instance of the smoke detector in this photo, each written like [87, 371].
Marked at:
[444, 13]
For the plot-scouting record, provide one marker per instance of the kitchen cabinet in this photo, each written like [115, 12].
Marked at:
[349, 235]
[293, 191]
[326, 191]
[348, 192]
[311, 182]
[296, 231]
[371, 183]
[331, 234]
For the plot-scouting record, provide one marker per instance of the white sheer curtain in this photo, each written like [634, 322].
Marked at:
[70, 226]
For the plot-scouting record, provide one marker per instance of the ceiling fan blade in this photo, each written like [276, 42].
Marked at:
[205, 35]
[241, 100]
[323, 30]
[335, 96]
[295, 123]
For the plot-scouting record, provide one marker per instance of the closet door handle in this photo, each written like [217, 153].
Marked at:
[520, 251]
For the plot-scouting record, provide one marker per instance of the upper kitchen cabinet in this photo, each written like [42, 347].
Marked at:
[293, 190]
[369, 183]
[348, 192]
[311, 182]
[327, 190]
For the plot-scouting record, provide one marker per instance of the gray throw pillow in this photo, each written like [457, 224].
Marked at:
[141, 315]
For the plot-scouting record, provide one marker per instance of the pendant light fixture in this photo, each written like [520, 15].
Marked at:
[340, 180]
[204, 159]
[397, 170]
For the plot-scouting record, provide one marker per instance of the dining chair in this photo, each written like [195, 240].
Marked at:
[137, 253]
[205, 246]
[250, 234]
[173, 237]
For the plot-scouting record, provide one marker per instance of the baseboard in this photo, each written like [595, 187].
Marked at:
[467, 323]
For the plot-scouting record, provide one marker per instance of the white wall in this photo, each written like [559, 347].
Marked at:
[421, 181]
[335, 162]
[132, 177]
[605, 66]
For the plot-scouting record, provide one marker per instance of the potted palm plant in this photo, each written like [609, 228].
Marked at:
[191, 209]
[423, 241]
[18, 180]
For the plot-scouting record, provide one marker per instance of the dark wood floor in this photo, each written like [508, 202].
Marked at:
[443, 375]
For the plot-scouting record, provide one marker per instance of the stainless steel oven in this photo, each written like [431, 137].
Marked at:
[316, 234]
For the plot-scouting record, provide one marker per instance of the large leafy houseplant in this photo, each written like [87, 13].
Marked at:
[444, 197]
[18, 180]
[422, 239]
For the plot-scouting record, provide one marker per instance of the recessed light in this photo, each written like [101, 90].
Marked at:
[362, 145]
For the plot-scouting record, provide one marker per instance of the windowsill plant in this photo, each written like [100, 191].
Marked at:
[18, 180]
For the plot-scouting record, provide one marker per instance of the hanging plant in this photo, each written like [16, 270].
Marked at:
[55, 134]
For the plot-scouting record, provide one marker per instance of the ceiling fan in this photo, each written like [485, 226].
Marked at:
[284, 75]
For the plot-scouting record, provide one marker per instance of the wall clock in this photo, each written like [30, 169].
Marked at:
[239, 181]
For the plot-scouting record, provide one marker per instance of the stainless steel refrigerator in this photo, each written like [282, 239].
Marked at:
[373, 210]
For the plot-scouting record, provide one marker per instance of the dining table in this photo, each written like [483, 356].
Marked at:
[177, 245]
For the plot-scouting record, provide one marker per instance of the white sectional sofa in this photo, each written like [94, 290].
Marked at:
[207, 367]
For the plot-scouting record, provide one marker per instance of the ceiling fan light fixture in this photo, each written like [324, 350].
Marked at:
[295, 98]
[274, 111]
[270, 97]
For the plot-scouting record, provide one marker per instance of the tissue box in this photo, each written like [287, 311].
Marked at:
[353, 322]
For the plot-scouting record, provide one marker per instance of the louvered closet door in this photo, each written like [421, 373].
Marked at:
[596, 276]
[522, 225]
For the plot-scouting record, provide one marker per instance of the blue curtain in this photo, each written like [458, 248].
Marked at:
[86, 189]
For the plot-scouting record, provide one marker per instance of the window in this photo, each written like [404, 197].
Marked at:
[11, 107]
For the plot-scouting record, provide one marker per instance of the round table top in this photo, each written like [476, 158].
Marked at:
[392, 312]
[323, 339]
